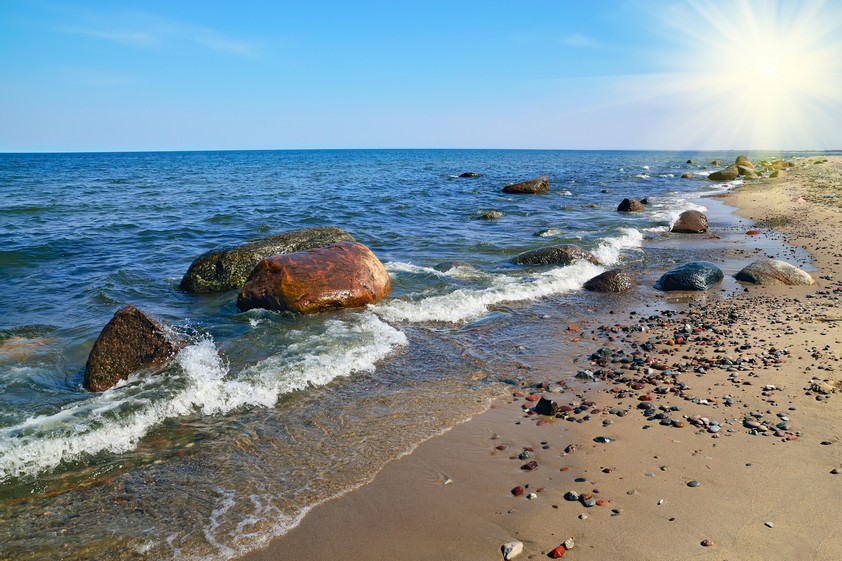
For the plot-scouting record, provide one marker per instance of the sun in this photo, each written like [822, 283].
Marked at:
[768, 71]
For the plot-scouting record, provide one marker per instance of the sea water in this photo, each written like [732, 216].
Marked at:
[265, 414]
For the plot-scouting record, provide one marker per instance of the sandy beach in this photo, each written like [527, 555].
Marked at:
[714, 432]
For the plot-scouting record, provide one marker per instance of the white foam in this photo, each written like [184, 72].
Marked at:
[466, 304]
[642, 176]
[609, 250]
[115, 420]
[457, 272]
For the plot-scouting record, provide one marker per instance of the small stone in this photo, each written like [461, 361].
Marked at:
[569, 544]
[511, 550]
[769, 524]
[571, 496]
[518, 491]
[583, 516]
[589, 502]
[558, 552]
[603, 440]
[529, 466]
[835, 471]
[708, 543]
[531, 496]
[693, 483]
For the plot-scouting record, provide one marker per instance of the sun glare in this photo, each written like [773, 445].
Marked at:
[767, 71]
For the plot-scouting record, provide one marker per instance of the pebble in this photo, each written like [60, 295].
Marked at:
[518, 491]
[769, 524]
[531, 496]
[571, 496]
[693, 483]
[589, 502]
[603, 439]
[708, 543]
[511, 550]
[529, 466]
[836, 471]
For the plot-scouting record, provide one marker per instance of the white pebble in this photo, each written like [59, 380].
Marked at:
[511, 550]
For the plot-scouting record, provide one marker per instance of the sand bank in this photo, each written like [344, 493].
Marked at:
[766, 487]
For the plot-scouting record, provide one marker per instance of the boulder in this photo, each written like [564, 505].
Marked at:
[774, 271]
[614, 280]
[690, 222]
[687, 176]
[469, 174]
[743, 161]
[728, 174]
[697, 275]
[130, 341]
[690, 162]
[778, 173]
[630, 205]
[716, 162]
[341, 275]
[490, 215]
[537, 185]
[555, 255]
[781, 164]
[226, 269]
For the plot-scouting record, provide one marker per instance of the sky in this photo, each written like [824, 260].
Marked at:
[547, 74]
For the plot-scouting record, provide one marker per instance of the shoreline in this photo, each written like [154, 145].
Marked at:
[450, 497]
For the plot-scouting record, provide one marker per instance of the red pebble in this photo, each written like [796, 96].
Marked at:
[518, 491]
[533, 397]
[753, 233]
[601, 502]
[646, 397]
[558, 552]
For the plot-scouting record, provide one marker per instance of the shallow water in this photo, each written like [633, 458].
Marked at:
[267, 414]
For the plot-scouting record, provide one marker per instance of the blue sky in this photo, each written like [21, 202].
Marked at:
[103, 76]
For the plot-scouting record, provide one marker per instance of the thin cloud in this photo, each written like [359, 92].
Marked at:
[580, 40]
[129, 38]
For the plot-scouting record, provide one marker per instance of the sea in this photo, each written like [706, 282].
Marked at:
[264, 415]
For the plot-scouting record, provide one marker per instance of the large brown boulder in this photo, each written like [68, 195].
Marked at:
[743, 161]
[226, 269]
[129, 342]
[691, 222]
[614, 280]
[774, 271]
[555, 255]
[341, 275]
[728, 174]
[630, 205]
[537, 185]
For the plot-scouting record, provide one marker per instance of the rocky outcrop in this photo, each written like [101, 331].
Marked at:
[774, 271]
[490, 215]
[630, 205]
[470, 174]
[691, 222]
[743, 161]
[728, 174]
[341, 275]
[555, 255]
[697, 275]
[716, 162]
[533, 186]
[129, 342]
[226, 269]
[615, 280]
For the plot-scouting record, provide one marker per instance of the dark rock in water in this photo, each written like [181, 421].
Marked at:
[537, 185]
[614, 280]
[448, 265]
[716, 162]
[644, 201]
[469, 174]
[774, 271]
[743, 161]
[691, 222]
[129, 342]
[555, 255]
[546, 407]
[698, 275]
[630, 205]
[690, 162]
[687, 176]
[342, 275]
[728, 174]
[227, 269]
[490, 215]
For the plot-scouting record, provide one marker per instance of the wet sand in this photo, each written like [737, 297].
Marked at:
[766, 483]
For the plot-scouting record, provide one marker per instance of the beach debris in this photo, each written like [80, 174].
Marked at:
[225, 269]
[630, 205]
[341, 275]
[690, 222]
[615, 280]
[531, 186]
[511, 550]
[696, 275]
[569, 544]
[563, 254]
[129, 342]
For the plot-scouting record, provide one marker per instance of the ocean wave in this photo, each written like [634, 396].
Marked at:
[198, 381]
[609, 250]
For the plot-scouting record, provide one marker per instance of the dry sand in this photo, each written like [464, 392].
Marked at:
[760, 496]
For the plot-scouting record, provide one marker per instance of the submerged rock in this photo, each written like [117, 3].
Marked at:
[342, 275]
[469, 174]
[446, 266]
[130, 341]
[691, 222]
[774, 271]
[630, 205]
[697, 275]
[226, 269]
[490, 215]
[728, 174]
[687, 175]
[615, 280]
[556, 255]
[532, 186]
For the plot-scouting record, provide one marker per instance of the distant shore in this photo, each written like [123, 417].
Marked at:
[714, 484]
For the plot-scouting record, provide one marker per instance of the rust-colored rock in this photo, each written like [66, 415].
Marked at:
[558, 552]
[130, 341]
[341, 275]
[691, 222]
[532, 186]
